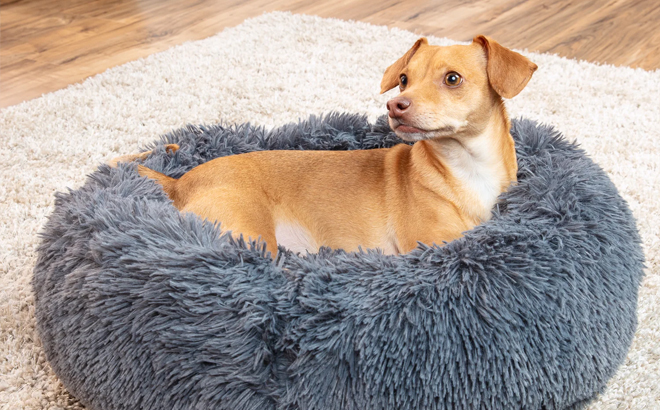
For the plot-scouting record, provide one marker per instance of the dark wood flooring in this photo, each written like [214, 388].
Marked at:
[46, 45]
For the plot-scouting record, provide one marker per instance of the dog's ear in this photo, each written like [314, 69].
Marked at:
[508, 71]
[391, 76]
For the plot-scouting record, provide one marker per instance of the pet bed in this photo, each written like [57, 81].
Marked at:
[139, 306]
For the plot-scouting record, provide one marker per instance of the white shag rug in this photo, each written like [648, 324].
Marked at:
[271, 70]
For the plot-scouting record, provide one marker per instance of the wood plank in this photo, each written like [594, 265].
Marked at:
[47, 44]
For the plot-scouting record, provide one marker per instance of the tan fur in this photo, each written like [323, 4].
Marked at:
[430, 192]
[171, 148]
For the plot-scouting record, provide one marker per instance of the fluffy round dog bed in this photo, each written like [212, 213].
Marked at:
[139, 306]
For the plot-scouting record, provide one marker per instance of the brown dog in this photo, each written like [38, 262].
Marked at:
[430, 192]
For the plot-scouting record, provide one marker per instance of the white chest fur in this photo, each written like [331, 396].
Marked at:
[479, 167]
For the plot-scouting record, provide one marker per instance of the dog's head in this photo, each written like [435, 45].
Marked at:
[451, 90]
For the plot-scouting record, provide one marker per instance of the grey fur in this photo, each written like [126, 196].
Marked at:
[139, 306]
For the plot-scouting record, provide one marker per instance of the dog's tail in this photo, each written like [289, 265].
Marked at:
[168, 183]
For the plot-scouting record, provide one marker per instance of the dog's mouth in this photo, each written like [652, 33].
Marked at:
[409, 132]
[401, 127]
[409, 129]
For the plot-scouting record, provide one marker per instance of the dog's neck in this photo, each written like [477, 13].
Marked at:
[476, 167]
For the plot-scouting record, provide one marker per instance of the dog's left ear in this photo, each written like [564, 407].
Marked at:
[391, 76]
[508, 71]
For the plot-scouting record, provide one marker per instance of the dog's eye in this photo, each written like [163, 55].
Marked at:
[453, 79]
[404, 81]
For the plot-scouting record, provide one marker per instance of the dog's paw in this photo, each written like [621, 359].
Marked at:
[169, 148]
[127, 158]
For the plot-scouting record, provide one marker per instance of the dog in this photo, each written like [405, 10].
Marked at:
[463, 157]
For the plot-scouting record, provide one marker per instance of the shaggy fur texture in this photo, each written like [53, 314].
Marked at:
[139, 306]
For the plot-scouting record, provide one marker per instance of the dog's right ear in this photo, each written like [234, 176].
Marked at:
[508, 71]
[391, 76]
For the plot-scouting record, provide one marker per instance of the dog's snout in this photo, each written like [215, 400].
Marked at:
[396, 107]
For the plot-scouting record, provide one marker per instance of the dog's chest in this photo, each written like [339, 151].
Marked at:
[484, 186]
[479, 180]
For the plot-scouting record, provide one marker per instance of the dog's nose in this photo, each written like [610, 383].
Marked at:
[396, 107]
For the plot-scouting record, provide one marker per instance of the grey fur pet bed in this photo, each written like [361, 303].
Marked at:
[140, 307]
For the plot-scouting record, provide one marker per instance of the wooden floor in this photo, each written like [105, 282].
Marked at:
[46, 45]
